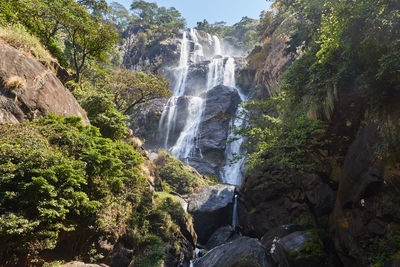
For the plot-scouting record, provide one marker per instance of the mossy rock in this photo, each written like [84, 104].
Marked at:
[176, 175]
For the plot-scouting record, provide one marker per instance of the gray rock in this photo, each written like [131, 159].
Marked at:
[211, 208]
[244, 251]
[223, 235]
[39, 91]
[144, 121]
[284, 248]
[221, 105]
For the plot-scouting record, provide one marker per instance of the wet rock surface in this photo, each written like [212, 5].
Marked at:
[221, 105]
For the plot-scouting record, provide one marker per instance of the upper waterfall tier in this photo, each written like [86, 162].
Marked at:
[194, 123]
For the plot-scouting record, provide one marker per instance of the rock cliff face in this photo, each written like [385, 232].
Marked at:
[354, 193]
[28, 89]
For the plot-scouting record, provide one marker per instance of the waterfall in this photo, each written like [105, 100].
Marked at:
[234, 213]
[229, 73]
[232, 173]
[197, 49]
[186, 141]
[167, 120]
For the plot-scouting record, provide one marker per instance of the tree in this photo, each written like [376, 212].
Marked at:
[119, 15]
[87, 38]
[132, 89]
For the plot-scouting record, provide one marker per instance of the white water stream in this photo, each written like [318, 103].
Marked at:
[195, 52]
[220, 70]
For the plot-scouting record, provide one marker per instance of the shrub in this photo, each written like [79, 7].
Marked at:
[102, 112]
[14, 82]
[180, 177]
[57, 175]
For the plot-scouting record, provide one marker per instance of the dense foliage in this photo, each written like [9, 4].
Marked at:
[242, 34]
[161, 22]
[176, 176]
[58, 175]
[344, 44]
[86, 37]
[130, 89]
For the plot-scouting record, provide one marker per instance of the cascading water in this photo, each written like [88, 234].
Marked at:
[232, 173]
[208, 53]
[234, 213]
[220, 70]
[168, 117]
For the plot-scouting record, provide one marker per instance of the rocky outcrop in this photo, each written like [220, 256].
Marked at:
[221, 105]
[211, 208]
[243, 251]
[220, 108]
[366, 210]
[141, 56]
[144, 122]
[28, 89]
[267, 203]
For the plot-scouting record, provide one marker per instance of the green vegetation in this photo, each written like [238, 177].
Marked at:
[242, 34]
[345, 44]
[177, 176]
[379, 250]
[314, 247]
[66, 29]
[160, 229]
[17, 36]
[58, 175]
[130, 89]
[280, 139]
[161, 22]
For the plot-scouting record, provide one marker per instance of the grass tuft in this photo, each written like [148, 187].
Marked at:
[17, 36]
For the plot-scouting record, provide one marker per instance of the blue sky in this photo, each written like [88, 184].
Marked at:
[230, 11]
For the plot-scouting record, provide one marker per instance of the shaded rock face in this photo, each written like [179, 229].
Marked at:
[211, 208]
[144, 122]
[243, 251]
[38, 93]
[221, 105]
[223, 235]
[367, 202]
[267, 204]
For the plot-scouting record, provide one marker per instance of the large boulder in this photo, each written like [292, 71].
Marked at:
[211, 208]
[28, 89]
[244, 251]
[223, 235]
[221, 105]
